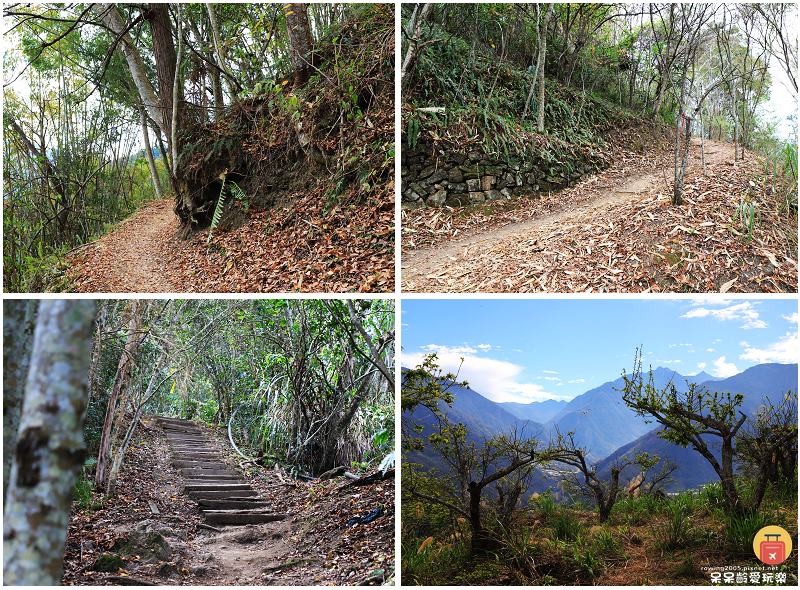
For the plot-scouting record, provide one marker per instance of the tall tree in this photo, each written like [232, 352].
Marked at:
[49, 451]
[693, 417]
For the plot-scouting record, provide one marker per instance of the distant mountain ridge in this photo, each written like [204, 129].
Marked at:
[538, 411]
[604, 424]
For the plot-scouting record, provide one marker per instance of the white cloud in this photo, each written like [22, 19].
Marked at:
[743, 343]
[784, 351]
[485, 347]
[701, 366]
[553, 372]
[577, 381]
[559, 384]
[552, 379]
[493, 379]
[446, 350]
[718, 340]
[709, 349]
[744, 311]
[724, 369]
[666, 362]
[516, 350]
[709, 301]
[792, 318]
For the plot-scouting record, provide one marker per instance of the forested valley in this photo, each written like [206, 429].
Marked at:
[198, 147]
[558, 147]
[198, 442]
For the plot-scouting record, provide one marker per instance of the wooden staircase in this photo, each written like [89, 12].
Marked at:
[221, 492]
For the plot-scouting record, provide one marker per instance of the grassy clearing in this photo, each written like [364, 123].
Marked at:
[646, 541]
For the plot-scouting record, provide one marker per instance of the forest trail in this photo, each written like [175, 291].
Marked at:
[132, 258]
[215, 524]
[612, 233]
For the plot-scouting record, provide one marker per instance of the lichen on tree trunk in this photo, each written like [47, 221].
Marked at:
[49, 451]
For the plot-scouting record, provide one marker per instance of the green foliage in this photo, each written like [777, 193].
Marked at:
[565, 526]
[545, 503]
[424, 565]
[688, 568]
[588, 564]
[741, 529]
[747, 210]
[604, 543]
[675, 531]
[82, 496]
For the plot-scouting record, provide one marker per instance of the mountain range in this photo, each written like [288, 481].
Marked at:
[605, 425]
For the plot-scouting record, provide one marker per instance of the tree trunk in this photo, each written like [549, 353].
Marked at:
[19, 322]
[164, 54]
[542, 62]
[120, 381]
[218, 50]
[49, 451]
[300, 41]
[111, 16]
[413, 46]
[150, 160]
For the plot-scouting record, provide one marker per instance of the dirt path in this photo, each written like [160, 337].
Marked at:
[130, 259]
[614, 232]
[314, 543]
[417, 265]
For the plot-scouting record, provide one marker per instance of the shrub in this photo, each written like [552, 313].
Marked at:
[82, 495]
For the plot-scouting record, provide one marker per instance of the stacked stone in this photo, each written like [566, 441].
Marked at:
[457, 180]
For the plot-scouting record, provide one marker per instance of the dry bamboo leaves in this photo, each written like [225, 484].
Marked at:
[636, 241]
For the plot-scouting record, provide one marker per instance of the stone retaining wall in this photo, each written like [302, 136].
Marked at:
[457, 179]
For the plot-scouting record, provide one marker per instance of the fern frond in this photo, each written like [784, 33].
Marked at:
[239, 195]
[218, 211]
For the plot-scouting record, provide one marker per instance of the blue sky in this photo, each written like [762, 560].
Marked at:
[536, 349]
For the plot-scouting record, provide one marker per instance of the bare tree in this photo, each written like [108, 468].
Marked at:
[414, 33]
[605, 494]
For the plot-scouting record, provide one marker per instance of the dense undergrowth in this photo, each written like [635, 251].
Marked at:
[485, 100]
[678, 540]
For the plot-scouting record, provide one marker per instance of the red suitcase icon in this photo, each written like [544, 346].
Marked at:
[772, 552]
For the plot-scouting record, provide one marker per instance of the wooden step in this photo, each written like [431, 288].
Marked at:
[185, 435]
[229, 504]
[190, 472]
[210, 478]
[244, 494]
[239, 517]
[199, 464]
[216, 487]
